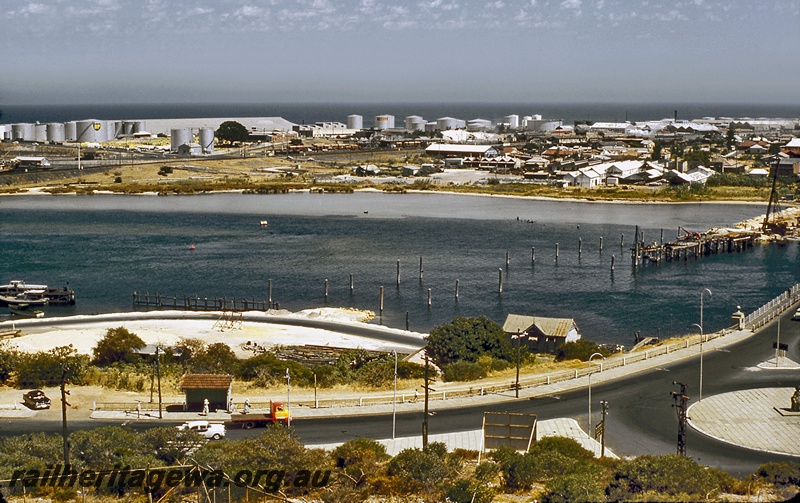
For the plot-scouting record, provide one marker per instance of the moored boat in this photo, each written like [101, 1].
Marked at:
[30, 298]
[54, 295]
[22, 310]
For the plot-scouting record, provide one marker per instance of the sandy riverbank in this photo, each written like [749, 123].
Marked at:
[167, 328]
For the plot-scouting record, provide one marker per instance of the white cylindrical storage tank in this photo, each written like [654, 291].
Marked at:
[55, 132]
[355, 122]
[22, 132]
[178, 137]
[445, 123]
[384, 121]
[512, 121]
[127, 128]
[40, 132]
[70, 131]
[206, 137]
[114, 129]
[87, 130]
[411, 120]
[418, 125]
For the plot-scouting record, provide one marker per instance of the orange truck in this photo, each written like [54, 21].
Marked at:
[277, 414]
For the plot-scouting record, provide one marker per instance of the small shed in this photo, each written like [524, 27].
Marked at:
[214, 387]
[543, 335]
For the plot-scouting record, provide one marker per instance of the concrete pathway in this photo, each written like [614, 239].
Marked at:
[755, 418]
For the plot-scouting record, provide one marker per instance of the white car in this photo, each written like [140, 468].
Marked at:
[212, 431]
[796, 316]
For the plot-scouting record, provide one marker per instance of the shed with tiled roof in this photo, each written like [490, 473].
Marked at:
[216, 388]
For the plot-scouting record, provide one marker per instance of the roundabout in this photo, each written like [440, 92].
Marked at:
[758, 419]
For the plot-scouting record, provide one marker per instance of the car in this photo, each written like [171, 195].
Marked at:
[796, 316]
[36, 399]
[212, 431]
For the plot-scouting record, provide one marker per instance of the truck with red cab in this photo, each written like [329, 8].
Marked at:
[278, 413]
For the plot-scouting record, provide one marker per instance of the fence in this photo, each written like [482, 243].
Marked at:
[753, 321]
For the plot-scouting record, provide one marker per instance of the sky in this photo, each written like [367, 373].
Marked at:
[349, 51]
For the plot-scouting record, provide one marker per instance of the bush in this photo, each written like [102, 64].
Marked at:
[463, 371]
[424, 471]
[671, 474]
[579, 350]
[780, 473]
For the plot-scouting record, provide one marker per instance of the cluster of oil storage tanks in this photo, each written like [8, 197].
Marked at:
[417, 123]
[99, 131]
[89, 130]
[184, 136]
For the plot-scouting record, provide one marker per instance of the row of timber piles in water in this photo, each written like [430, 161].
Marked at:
[194, 303]
[692, 245]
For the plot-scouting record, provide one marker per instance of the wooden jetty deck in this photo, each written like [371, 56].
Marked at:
[195, 303]
[694, 246]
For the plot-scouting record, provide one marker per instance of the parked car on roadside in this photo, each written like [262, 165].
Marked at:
[36, 399]
[796, 316]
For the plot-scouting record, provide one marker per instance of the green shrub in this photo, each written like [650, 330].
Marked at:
[579, 350]
[780, 473]
[463, 371]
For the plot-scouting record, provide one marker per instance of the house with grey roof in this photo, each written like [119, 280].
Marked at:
[541, 334]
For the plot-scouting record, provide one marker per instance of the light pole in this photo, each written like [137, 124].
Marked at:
[701, 305]
[702, 339]
[700, 392]
[589, 431]
[394, 399]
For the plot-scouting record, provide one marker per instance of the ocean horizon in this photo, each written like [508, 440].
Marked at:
[309, 113]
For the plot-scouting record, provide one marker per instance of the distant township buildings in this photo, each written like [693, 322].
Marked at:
[535, 148]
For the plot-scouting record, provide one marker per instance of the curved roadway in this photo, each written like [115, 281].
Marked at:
[641, 419]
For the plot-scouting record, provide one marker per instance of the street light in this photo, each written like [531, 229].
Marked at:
[701, 305]
[394, 399]
[589, 432]
[700, 393]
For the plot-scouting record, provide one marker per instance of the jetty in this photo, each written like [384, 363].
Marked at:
[775, 227]
[195, 303]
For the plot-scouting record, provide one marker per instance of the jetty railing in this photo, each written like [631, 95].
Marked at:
[773, 308]
[753, 321]
[195, 303]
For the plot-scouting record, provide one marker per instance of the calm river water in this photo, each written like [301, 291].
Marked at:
[106, 247]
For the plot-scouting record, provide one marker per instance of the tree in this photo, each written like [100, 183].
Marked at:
[215, 358]
[117, 346]
[467, 339]
[231, 132]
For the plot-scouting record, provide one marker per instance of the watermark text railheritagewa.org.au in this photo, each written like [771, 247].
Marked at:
[153, 479]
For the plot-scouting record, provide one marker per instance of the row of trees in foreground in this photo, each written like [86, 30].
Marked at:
[556, 469]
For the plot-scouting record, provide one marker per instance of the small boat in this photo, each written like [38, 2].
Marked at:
[54, 295]
[191, 247]
[22, 310]
[30, 297]
[264, 223]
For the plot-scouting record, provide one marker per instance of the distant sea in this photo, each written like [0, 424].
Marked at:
[306, 113]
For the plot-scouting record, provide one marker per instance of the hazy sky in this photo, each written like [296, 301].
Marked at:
[130, 51]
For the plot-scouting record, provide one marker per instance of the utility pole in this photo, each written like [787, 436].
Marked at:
[158, 373]
[425, 418]
[680, 399]
[64, 405]
[601, 429]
